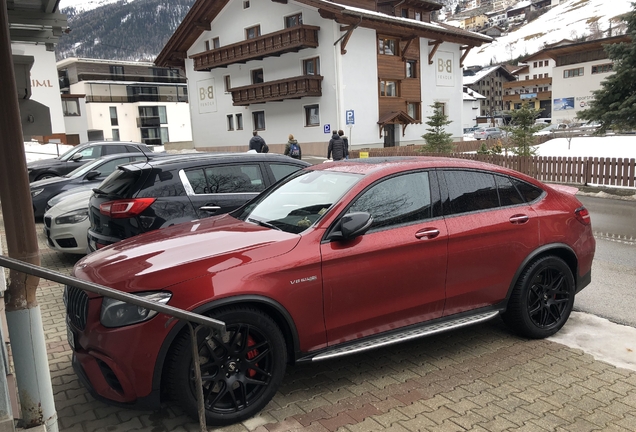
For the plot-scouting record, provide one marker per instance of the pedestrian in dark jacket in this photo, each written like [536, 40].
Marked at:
[336, 147]
[293, 149]
[257, 143]
[345, 140]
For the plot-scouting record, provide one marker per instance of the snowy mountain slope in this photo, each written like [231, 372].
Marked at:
[84, 5]
[569, 20]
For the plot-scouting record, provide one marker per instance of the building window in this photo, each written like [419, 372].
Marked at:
[527, 77]
[246, 4]
[154, 136]
[546, 63]
[405, 13]
[113, 116]
[293, 20]
[207, 45]
[389, 88]
[253, 32]
[117, 72]
[257, 76]
[534, 76]
[239, 122]
[534, 90]
[541, 63]
[227, 83]
[152, 116]
[411, 69]
[413, 110]
[573, 72]
[116, 135]
[311, 66]
[216, 43]
[312, 115]
[230, 122]
[418, 16]
[387, 46]
[258, 117]
[534, 64]
[70, 107]
[604, 68]
[440, 107]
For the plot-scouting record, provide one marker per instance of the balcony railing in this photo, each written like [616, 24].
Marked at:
[152, 121]
[131, 78]
[528, 83]
[517, 97]
[271, 44]
[275, 91]
[137, 98]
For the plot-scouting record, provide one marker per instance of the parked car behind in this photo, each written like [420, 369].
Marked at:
[338, 258]
[143, 197]
[487, 133]
[66, 223]
[92, 173]
[80, 155]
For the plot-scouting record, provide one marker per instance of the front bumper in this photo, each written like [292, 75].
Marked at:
[69, 238]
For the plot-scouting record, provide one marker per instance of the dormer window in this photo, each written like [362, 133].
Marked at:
[293, 20]
[253, 32]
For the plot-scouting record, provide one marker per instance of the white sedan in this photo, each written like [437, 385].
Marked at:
[66, 223]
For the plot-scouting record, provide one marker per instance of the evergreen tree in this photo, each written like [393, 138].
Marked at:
[614, 104]
[521, 129]
[437, 140]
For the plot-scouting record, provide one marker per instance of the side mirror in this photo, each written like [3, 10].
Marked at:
[352, 225]
[91, 175]
[77, 156]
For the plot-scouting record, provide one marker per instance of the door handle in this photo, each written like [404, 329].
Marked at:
[210, 208]
[427, 233]
[519, 219]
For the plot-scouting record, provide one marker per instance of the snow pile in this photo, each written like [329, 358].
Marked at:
[609, 146]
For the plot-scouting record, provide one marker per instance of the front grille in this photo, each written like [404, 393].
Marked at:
[67, 243]
[76, 302]
[47, 221]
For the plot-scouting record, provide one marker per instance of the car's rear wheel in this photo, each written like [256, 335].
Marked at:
[240, 373]
[542, 298]
[45, 175]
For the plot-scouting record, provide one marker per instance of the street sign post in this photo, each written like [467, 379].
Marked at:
[350, 117]
[327, 128]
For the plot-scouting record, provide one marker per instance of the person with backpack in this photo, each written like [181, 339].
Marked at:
[292, 149]
[258, 143]
[345, 140]
[336, 147]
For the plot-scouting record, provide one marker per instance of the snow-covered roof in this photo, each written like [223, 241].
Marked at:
[472, 79]
[472, 95]
[71, 60]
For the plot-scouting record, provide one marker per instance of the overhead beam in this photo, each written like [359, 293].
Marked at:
[41, 36]
[409, 40]
[466, 50]
[345, 39]
[37, 18]
[203, 25]
[435, 45]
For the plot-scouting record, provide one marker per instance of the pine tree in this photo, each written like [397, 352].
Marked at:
[437, 140]
[521, 129]
[614, 104]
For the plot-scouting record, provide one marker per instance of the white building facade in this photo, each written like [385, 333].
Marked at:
[123, 101]
[309, 67]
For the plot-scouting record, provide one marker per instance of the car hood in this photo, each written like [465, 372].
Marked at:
[45, 163]
[165, 257]
[47, 182]
[76, 201]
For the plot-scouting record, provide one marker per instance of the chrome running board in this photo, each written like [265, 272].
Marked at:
[412, 333]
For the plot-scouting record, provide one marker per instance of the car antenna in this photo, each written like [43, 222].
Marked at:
[144, 153]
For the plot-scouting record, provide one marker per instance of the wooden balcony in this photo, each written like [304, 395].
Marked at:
[276, 91]
[516, 98]
[290, 39]
[528, 83]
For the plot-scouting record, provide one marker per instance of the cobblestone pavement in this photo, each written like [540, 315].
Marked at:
[481, 378]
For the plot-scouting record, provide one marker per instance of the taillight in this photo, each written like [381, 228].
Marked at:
[121, 209]
[582, 215]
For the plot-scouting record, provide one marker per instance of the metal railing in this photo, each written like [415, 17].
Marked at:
[174, 312]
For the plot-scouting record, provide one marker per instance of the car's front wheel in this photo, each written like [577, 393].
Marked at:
[240, 373]
[542, 298]
[46, 175]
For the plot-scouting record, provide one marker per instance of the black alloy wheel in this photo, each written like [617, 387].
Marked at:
[240, 373]
[45, 176]
[542, 299]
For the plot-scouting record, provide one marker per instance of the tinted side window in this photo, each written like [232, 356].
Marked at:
[508, 194]
[196, 178]
[111, 165]
[528, 192]
[397, 200]
[162, 184]
[113, 149]
[470, 191]
[91, 152]
[282, 170]
[226, 179]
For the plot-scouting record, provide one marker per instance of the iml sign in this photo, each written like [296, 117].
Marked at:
[38, 83]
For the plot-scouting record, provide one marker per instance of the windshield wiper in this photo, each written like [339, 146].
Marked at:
[264, 224]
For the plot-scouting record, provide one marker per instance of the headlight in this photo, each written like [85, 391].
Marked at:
[116, 313]
[73, 217]
[36, 192]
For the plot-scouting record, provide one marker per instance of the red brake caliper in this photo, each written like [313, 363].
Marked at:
[251, 354]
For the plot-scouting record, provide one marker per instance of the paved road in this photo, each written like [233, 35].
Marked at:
[612, 293]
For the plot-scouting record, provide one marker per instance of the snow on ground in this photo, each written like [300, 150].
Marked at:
[591, 146]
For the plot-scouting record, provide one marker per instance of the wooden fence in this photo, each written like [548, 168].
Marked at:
[574, 170]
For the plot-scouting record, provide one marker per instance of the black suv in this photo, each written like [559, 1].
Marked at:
[142, 197]
[78, 156]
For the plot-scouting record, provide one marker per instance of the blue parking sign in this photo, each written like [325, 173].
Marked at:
[350, 117]
[327, 128]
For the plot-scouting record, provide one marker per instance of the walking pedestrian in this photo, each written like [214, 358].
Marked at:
[336, 147]
[292, 149]
[258, 143]
[345, 140]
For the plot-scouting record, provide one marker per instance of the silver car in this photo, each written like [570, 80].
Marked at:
[487, 133]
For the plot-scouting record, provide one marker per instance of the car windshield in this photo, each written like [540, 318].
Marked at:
[298, 202]
[67, 155]
[78, 172]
